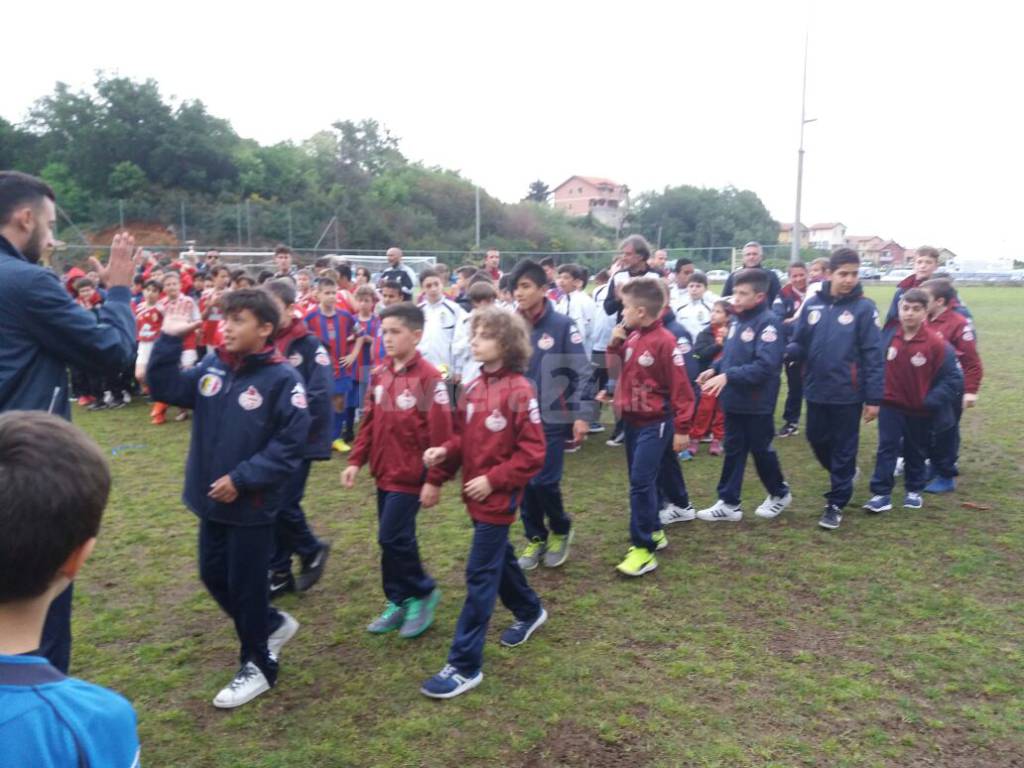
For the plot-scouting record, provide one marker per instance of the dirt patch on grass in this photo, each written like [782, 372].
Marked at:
[571, 744]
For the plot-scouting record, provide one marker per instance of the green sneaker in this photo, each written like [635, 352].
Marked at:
[638, 562]
[558, 549]
[388, 621]
[660, 540]
[419, 615]
[531, 556]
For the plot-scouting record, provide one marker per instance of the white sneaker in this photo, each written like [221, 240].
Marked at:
[721, 512]
[108, 398]
[247, 685]
[282, 634]
[675, 514]
[773, 506]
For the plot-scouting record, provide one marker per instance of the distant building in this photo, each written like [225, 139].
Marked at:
[606, 200]
[868, 247]
[786, 235]
[892, 254]
[827, 237]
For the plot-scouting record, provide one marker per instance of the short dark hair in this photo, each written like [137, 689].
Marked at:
[841, 257]
[264, 275]
[322, 262]
[481, 291]
[602, 277]
[796, 265]
[575, 271]
[698, 277]
[392, 285]
[915, 296]
[153, 284]
[940, 288]
[640, 246]
[407, 313]
[326, 280]
[54, 484]
[18, 189]
[681, 262]
[282, 249]
[466, 271]
[648, 292]
[480, 276]
[84, 282]
[139, 280]
[257, 301]
[546, 262]
[428, 273]
[284, 289]
[929, 251]
[344, 271]
[755, 278]
[218, 269]
[528, 269]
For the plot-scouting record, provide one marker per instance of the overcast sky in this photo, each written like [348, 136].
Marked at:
[919, 106]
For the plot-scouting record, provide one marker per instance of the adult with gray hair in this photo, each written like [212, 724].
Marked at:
[634, 255]
[753, 255]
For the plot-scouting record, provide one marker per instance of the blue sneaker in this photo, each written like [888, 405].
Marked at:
[878, 503]
[912, 501]
[449, 683]
[520, 632]
[940, 484]
[685, 455]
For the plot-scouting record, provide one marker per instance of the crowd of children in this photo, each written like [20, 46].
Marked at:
[498, 376]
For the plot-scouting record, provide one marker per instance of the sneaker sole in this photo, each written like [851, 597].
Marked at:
[434, 599]
[647, 568]
[541, 621]
[663, 544]
[720, 519]
[240, 702]
[469, 685]
[673, 520]
[827, 526]
[913, 506]
[528, 566]
[877, 510]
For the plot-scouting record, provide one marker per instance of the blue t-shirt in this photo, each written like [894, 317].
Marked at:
[48, 720]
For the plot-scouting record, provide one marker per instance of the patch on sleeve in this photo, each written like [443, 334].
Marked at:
[210, 385]
[813, 316]
[534, 411]
[968, 335]
[299, 396]
[441, 394]
[769, 334]
[574, 334]
[891, 354]
[747, 335]
[322, 358]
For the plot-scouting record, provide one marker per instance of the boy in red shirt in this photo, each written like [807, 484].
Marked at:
[209, 307]
[406, 412]
[959, 332]
[334, 327]
[177, 304]
[922, 383]
[500, 445]
[709, 418]
[148, 321]
[654, 398]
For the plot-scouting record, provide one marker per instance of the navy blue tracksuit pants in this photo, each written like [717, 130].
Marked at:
[834, 434]
[542, 497]
[795, 394]
[914, 432]
[233, 564]
[401, 570]
[653, 471]
[945, 446]
[293, 534]
[492, 571]
[56, 644]
[749, 433]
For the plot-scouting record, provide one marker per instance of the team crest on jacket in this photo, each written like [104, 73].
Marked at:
[968, 335]
[575, 337]
[918, 360]
[769, 334]
[677, 358]
[814, 316]
[251, 399]
[378, 393]
[846, 318]
[495, 422]
[683, 346]
[295, 359]
[747, 335]
[646, 360]
[299, 396]
[406, 400]
[210, 385]
[629, 353]
[891, 354]
[322, 358]
[534, 411]
[545, 342]
[441, 394]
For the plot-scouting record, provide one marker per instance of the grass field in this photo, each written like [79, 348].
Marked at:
[893, 641]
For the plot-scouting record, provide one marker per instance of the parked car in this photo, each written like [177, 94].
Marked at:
[717, 276]
[869, 273]
[896, 275]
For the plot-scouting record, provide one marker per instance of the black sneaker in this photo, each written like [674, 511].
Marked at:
[830, 518]
[313, 568]
[280, 583]
[98, 405]
[789, 429]
[616, 440]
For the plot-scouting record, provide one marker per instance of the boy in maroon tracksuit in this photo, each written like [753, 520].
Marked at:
[959, 332]
[500, 444]
[407, 410]
[655, 400]
[922, 383]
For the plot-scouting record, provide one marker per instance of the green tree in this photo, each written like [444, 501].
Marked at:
[538, 193]
[70, 195]
[127, 180]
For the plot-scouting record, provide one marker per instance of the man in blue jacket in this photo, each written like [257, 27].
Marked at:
[43, 331]
[840, 347]
[560, 370]
[248, 437]
[746, 381]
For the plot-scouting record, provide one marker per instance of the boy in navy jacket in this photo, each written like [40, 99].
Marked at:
[746, 381]
[655, 401]
[248, 438]
[560, 370]
[300, 347]
[838, 345]
[923, 383]
[407, 410]
[54, 483]
[787, 306]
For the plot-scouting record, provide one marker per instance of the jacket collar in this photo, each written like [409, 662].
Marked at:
[267, 356]
[287, 336]
[533, 318]
[6, 246]
[908, 282]
[826, 293]
[409, 366]
[652, 327]
[753, 312]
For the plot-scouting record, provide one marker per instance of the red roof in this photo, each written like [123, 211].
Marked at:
[827, 226]
[596, 181]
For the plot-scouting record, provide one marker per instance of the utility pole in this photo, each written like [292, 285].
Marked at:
[184, 230]
[478, 218]
[794, 247]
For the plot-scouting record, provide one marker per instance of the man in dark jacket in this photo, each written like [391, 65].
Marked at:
[43, 331]
[840, 349]
[753, 254]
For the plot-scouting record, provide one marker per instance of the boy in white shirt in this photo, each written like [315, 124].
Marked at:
[575, 303]
[443, 317]
[481, 295]
[695, 314]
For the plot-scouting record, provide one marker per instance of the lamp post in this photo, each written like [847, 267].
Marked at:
[794, 246]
